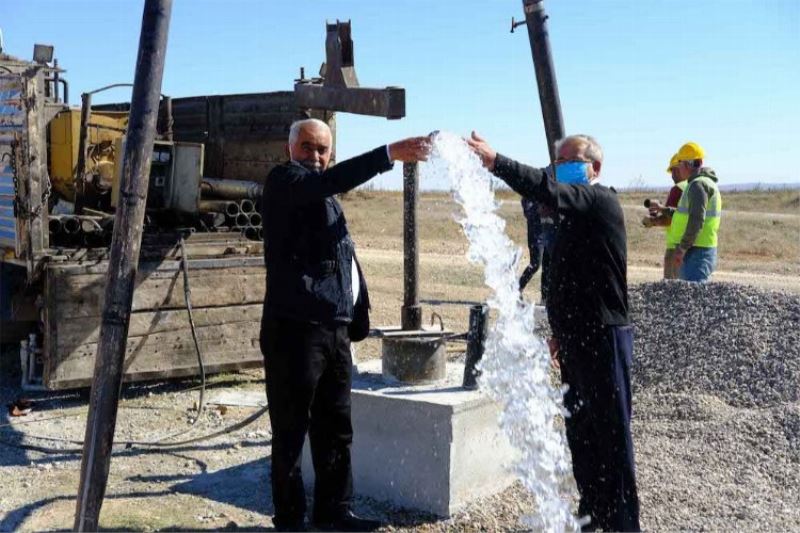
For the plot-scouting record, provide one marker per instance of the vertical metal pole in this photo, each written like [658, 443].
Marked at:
[476, 343]
[55, 81]
[83, 152]
[411, 315]
[122, 267]
[536, 21]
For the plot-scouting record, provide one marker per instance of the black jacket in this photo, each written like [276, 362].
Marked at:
[588, 266]
[307, 248]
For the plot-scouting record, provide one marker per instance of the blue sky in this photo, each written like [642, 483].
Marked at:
[643, 76]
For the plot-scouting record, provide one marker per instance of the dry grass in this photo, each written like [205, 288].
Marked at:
[756, 248]
[760, 230]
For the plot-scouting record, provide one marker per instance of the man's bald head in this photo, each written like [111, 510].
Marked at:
[310, 144]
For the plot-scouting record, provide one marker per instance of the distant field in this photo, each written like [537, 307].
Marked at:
[760, 230]
[760, 245]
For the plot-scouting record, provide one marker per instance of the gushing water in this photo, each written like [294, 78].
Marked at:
[516, 365]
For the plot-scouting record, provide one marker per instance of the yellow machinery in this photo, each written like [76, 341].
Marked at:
[104, 129]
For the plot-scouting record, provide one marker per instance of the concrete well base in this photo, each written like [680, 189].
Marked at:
[433, 448]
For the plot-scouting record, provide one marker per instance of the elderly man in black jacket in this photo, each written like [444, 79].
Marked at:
[314, 290]
[587, 309]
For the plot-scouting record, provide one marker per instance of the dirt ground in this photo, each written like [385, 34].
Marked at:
[221, 483]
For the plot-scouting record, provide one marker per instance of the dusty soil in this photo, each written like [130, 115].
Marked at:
[702, 463]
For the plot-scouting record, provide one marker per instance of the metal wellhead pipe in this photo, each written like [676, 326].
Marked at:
[231, 189]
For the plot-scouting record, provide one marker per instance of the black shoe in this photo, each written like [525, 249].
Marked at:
[347, 521]
[290, 525]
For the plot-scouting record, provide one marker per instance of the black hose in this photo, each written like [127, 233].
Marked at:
[187, 296]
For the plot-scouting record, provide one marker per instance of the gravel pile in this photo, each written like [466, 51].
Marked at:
[738, 343]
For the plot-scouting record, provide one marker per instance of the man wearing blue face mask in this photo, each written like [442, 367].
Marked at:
[588, 313]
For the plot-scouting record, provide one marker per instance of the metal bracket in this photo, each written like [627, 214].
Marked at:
[339, 90]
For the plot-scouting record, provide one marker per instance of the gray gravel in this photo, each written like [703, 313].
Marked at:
[735, 342]
[716, 414]
[716, 431]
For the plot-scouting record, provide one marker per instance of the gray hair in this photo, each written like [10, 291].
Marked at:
[297, 125]
[593, 149]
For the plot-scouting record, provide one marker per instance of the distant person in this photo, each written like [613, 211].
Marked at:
[587, 308]
[316, 302]
[540, 230]
[662, 216]
[696, 219]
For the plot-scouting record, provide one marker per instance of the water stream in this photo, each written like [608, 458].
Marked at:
[516, 365]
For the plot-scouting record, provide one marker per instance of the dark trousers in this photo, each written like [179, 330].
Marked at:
[595, 363]
[308, 374]
[535, 254]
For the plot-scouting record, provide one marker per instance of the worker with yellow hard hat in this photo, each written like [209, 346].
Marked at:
[695, 220]
[661, 215]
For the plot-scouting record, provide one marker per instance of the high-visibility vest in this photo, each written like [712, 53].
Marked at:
[670, 245]
[707, 238]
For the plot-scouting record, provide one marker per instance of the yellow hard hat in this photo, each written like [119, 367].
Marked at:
[690, 151]
[673, 162]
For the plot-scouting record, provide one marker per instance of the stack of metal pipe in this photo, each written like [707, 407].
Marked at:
[80, 230]
[231, 205]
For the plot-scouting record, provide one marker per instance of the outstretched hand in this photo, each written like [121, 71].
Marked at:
[553, 346]
[410, 150]
[479, 145]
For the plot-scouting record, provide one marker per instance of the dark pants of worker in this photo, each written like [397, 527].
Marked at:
[595, 363]
[535, 253]
[308, 373]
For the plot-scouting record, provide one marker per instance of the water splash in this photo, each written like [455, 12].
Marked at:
[516, 365]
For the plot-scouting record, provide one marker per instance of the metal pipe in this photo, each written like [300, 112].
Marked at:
[83, 151]
[232, 189]
[411, 313]
[476, 344]
[123, 263]
[89, 225]
[251, 233]
[247, 206]
[64, 82]
[214, 220]
[536, 20]
[219, 206]
[54, 224]
[165, 119]
[242, 220]
[55, 79]
[255, 219]
[71, 225]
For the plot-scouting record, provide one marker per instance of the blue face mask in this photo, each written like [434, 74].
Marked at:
[572, 172]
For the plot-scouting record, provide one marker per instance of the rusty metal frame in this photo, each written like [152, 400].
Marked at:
[339, 90]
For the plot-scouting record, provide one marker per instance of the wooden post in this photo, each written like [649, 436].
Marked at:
[123, 263]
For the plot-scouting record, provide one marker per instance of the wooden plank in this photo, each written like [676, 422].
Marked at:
[82, 295]
[72, 332]
[74, 383]
[162, 353]
[260, 102]
[99, 265]
[198, 250]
